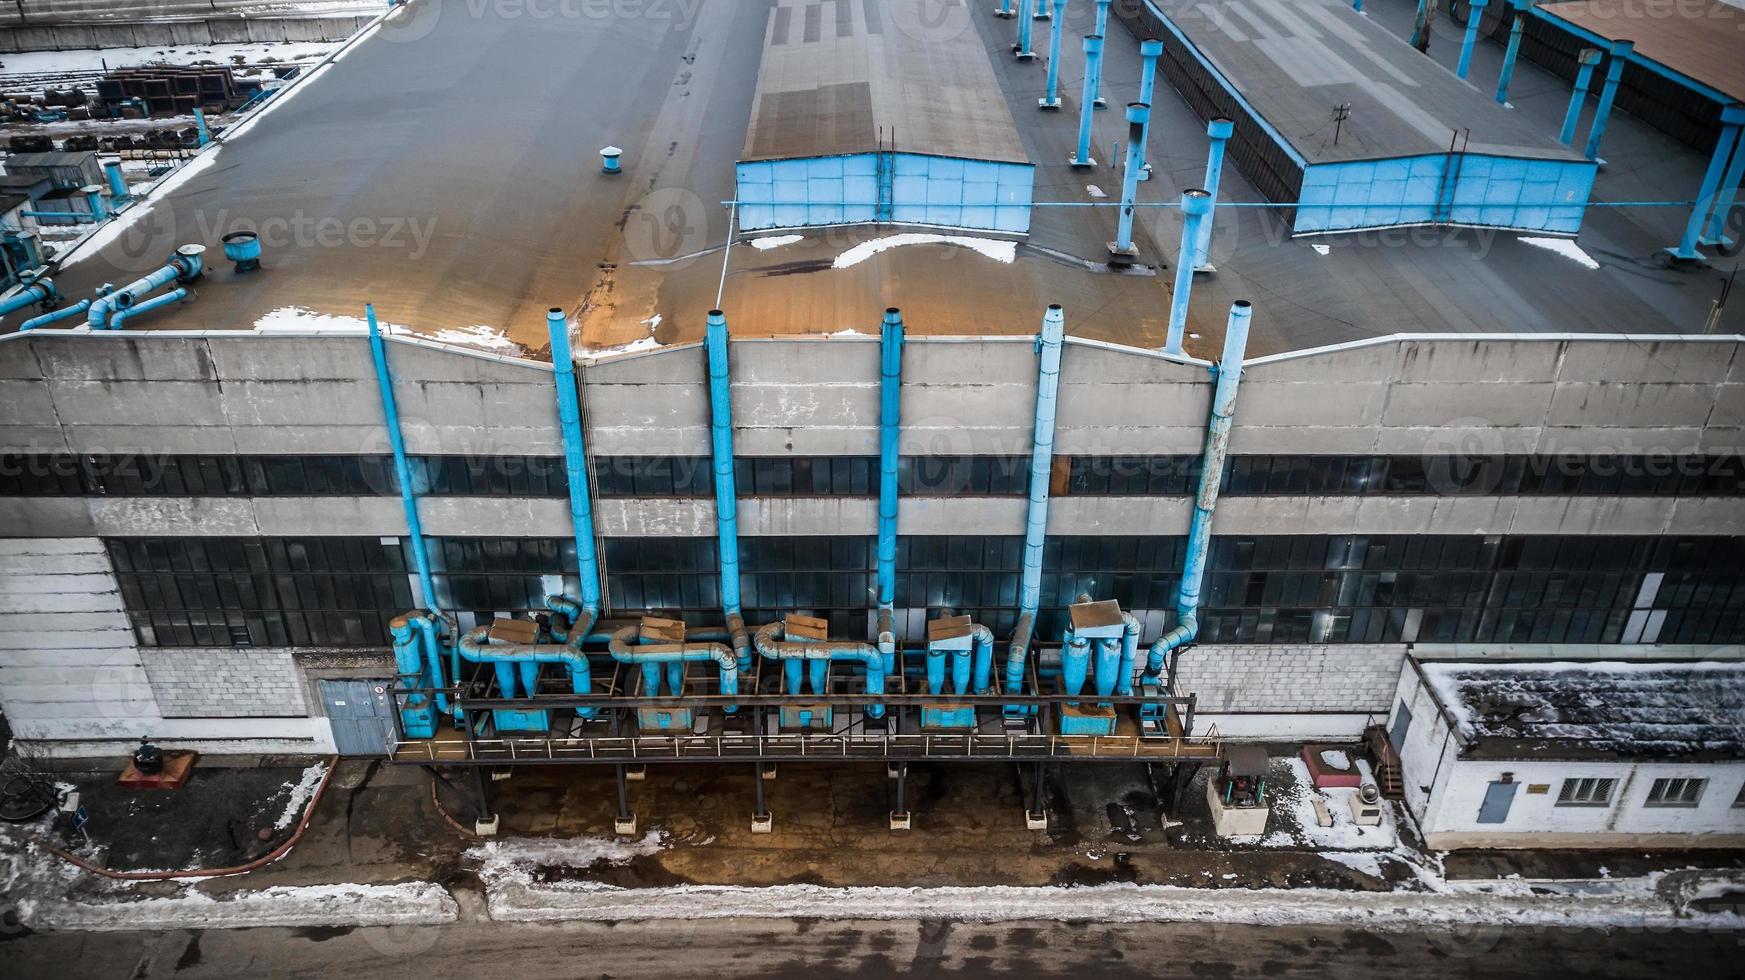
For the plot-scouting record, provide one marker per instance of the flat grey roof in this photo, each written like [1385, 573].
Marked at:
[1704, 43]
[1595, 709]
[447, 171]
[840, 76]
[1295, 61]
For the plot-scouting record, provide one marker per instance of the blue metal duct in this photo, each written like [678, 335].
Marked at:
[1149, 52]
[64, 313]
[1196, 204]
[890, 431]
[1048, 345]
[1475, 13]
[1052, 99]
[1187, 604]
[1513, 51]
[477, 647]
[726, 492]
[1094, 66]
[1093, 58]
[1219, 132]
[819, 654]
[117, 182]
[1620, 56]
[1584, 76]
[575, 458]
[40, 291]
[402, 465]
[159, 301]
[183, 267]
[1138, 120]
[626, 649]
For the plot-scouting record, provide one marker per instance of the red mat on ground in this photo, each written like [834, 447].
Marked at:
[177, 766]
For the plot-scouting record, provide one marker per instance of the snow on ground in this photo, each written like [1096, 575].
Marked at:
[1565, 247]
[774, 241]
[301, 791]
[301, 319]
[102, 59]
[566, 852]
[1335, 759]
[410, 903]
[1000, 251]
[1460, 908]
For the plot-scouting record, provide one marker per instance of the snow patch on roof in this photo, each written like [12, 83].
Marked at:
[1000, 251]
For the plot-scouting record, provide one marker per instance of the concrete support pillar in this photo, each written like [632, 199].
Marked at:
[1195, 204]
[1475, 14]
[1052, 99]
[1584, 77]
[1219, 131]
[1513, 51]
[1726, 148]
[1093, 54]
[1620, 56]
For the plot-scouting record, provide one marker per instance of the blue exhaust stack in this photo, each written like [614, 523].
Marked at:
[1620, 56]
[402, 466]
[1052, 99]
[569, 415]
[890, 429]
[1093, 59]
[1121, 250]
[1475, 13]
[1584, 77]
[1196, 204]
[1219, 131]
[1048, 347]
[1149, 52]
[1094, 69]
[721, 445]
[1022, 50]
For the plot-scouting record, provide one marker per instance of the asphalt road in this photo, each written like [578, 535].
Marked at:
[810, 949]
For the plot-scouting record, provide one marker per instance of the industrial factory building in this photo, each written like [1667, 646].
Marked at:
[834, 380]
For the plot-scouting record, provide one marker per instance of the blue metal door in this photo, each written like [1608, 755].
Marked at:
[359, 714]
[1498, 797]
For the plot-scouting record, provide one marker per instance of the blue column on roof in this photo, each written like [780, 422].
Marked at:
[1052, 99]
[890, 427]
[1138, 120]
[1095, 69]
[1620, 56]
[1219, 131]
[1420, 38]
[721, 444]
[1149, 52]
[1022, 48]
[1093, 54]
[1195, 204]
[1475, 13]
[1716, 232]
[1732, 118]
[1584, 76]
[1513, 51]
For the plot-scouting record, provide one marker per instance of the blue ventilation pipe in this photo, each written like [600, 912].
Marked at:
[1196, 204]
[1149, 52]
[575, 459]
[200, 124]
[1048, 346]
[1052, 99]
[117, 182]
[1138, 121]
[1187, 603]
[402, 465]
[1715, 233]
[1093, 59]
[652, 656]
[1022, 49]
[772, 645]
[1475, 13]
[183, 267]
[726, 493]
[94, 200]
[1004, 9]
[36, 290]
[1129, 653]
[1726, 148]
[64, 313]
[1584, 76]
[1620, 56]
[159, 301]
[1513, 50]
[416, 718]
[477, 647]
[1094, 66]
[890, 430]
[1219, 132]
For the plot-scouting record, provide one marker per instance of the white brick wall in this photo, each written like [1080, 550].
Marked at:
[1292, 679]
[226, 682]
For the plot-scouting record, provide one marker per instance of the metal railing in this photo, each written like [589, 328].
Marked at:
[749, 748]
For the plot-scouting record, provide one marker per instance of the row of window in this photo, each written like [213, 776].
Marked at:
[1285, 589]
[858, 476]
[1669, 792]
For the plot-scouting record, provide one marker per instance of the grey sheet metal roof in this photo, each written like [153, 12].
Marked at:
[839, 75]
[1295, 61]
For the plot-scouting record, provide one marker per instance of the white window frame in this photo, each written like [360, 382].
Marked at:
[1598, 791]
[1660, 790]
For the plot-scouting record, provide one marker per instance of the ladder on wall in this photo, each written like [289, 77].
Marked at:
[1443, 212]
[887, 177]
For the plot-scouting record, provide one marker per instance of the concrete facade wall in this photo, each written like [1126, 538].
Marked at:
[226, 683]
[1444, 792]
[142, 34]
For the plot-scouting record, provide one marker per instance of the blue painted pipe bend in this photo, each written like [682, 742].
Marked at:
[432, 628]
[156, 302]
[477, 648]
[64, 313]
[625, 650]
[184, 267]
[40, 291]
[771, 647]
[1229, 377]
